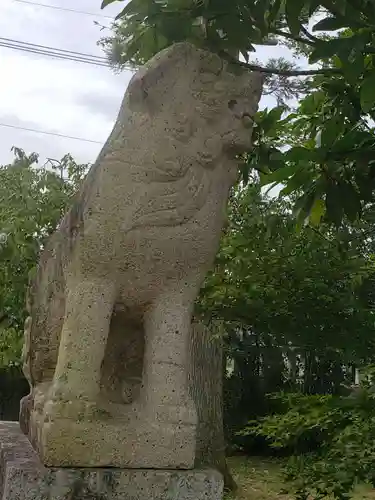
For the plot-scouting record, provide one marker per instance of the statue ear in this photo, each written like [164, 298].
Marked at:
[137, 93]
[153, 75]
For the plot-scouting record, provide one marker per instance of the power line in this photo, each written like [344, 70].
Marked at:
[57, 53]
[51, 54]
[53, 48]
[55, 7]
[54, 52]
[44, 132]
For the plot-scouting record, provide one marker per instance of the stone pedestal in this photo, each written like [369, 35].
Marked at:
[23, 477]
[109, 440]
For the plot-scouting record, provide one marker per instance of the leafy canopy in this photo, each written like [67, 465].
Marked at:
[328, 159]
[338, 433]
[297, 309]
[32, 202]
[292, 288]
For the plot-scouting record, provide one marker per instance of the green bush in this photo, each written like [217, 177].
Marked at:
[331, 440]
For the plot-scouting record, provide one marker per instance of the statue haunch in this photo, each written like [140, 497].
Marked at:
[111, 304]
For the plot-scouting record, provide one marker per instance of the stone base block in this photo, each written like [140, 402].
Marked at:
[107, 441]
[23, 477]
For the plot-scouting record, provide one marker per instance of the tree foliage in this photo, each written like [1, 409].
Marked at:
[330, 438]
[296, 307]
[32, 201]
[295, 288]
[331, 163]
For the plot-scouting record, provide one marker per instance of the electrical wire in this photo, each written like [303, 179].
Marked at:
[56, 56]
[82, 12]
[53, 48]
[57, 53]
[54, 52]
[45, 132]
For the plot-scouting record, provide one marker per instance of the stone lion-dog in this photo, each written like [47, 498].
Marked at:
[127, 262]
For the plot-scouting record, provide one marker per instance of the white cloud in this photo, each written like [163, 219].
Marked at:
[48, 94]
[58, 96]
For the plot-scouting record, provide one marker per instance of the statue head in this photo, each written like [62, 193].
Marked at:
[195, 92]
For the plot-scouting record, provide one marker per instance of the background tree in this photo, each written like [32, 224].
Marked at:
[329, 441]
[295, 307]
[32, 201]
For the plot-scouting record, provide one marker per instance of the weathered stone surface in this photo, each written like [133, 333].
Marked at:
[106, 343]
[23, 477]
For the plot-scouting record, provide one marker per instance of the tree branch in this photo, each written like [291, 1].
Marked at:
[289, 36]
[369, 50]
[281, 72]
[292, 72]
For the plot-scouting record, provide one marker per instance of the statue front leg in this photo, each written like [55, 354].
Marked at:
[89, 305]
[165, 395]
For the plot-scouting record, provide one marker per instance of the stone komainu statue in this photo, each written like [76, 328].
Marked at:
[112, 300]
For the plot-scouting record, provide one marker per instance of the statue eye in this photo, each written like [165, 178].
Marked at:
[232, 104]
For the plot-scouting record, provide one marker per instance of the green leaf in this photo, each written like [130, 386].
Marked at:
[354, 68]
[367, 93]
[331, 130]
[275, 10]
[279, 175]
[317, 212]
[108, 2]
[293, 9]
[311, 103]
[299, 153]
[334, 206]
[245, 170]
[301, 178]
[330, 48]
[331, 24]
[350, 200]
[269, 121]
[302, 208]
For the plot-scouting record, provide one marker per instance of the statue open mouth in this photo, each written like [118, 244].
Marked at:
[247, 120]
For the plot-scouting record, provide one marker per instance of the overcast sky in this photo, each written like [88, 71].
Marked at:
[59, 96]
